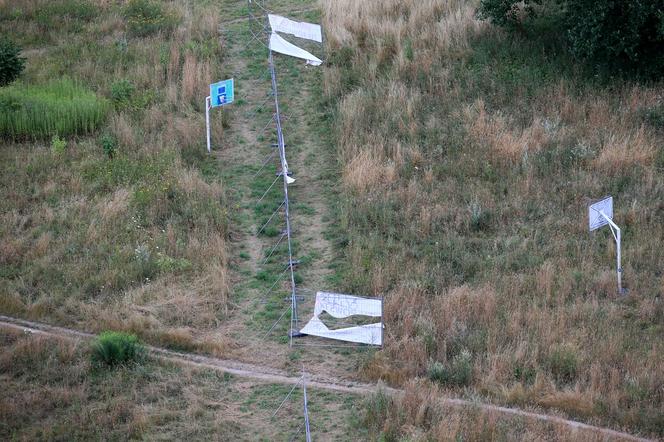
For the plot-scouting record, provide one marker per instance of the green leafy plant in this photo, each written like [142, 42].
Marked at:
[145, 17]
[116, 348]
[58, 145]
[480, 219]
[563, 364]
[122, 92]
[458, 372]
[109, 143]
[11, 64]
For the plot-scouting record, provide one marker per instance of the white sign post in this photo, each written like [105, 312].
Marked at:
[601, 214]
[207, 122]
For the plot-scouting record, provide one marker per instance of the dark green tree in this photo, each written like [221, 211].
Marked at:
[11, 64]
[625, 36]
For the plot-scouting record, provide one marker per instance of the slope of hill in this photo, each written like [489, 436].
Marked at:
[468, 159]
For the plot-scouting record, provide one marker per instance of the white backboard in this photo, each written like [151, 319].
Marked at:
[595, 219]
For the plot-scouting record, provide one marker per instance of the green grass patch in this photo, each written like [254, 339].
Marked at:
[116, 348]
[40, 111]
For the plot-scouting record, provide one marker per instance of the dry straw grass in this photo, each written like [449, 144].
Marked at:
[421, 414]
[196, 76]
[466, 187]
[622, 152]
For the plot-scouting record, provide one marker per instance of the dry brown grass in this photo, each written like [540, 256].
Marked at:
[467, 175]
[367, 170]
[421, 415]
[623, 152]
[196, 76]
[505, 145]
[121, 127]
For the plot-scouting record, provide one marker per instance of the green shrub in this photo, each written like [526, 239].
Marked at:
[58, 145]
[122, 92]
[39, 111]
[377, 408]
[480, 219]
[654, 116]
[563, 364]
[11, 65]
[145, 17]
[167, 264]
[624, 36]
[458, 372]
[64, 12]
[115, 348]
[504, 13]
[109, 143]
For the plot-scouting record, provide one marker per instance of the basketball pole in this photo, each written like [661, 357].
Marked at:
[207, 122]
[615, 230]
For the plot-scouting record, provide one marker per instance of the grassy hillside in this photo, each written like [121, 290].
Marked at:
[119, 220]
[468, 159]
[112, 216]
[53, 392]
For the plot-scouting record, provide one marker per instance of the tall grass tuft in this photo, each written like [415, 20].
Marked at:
[39, 111]
[115, 348]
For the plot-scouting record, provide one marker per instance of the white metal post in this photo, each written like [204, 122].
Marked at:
[207, 122]
[382, 321]
[619, 267]
[307, 431]
[615, 230]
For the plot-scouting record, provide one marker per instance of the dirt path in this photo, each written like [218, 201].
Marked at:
[315, 381]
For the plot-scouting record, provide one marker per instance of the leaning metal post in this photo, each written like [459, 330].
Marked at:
[615, 230]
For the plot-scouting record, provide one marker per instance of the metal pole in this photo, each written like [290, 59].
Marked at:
[282, 156]
[615, 230]
[382, 321]
[207, 122]
[620, 289]
[306, 412]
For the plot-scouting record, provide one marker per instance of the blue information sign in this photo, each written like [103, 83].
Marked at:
[221, 93]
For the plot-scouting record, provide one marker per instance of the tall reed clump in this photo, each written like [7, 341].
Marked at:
[116, 348]
[39, 111]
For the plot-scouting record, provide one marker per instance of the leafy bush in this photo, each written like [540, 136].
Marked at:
[58, 145]
[145, 17]
[115, 348]
[622, 35]
[563, 364]
[40, 111]
[480, 219]
[458, 372]
[11, 65]
[122, 92]
[627, 34]
[109, 143]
